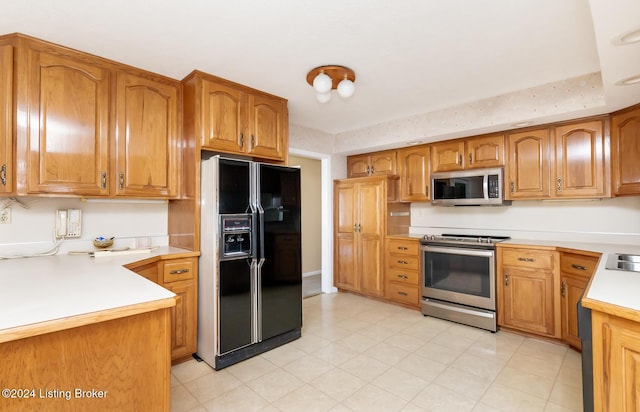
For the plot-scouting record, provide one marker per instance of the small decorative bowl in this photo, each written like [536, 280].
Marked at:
[101, 242]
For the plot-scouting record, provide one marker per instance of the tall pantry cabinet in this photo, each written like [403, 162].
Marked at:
[363, 215]
[6, 120]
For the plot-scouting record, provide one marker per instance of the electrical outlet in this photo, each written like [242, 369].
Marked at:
[5, 216]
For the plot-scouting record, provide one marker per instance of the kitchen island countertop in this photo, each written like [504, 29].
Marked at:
[49, 293]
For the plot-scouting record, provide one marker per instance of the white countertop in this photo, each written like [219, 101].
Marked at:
[613, 287]
[40, 289]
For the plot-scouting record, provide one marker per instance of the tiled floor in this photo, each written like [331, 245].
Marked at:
[357, 354]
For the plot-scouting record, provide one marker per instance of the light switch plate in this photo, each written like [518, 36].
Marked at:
[5, 216]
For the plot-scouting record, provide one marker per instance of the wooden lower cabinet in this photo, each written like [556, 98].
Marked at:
[616, 363]
[528, 281]
[575, 272]
[179, 275]
[403, 271]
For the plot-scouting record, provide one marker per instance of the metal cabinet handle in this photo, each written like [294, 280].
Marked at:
[373, 169]
[403, 262]
[3, 174]
[459, 162]
[359, 228]
[103, 180]
[563, 288]
[578, 267]
[506, 279]
[403, 294]
[253, 142]
[470, 158]
[241, 139]
[403, 276]
[512, 186]
[355, 227]
[402, 248]
[121, 180]
[559, 184]
[521, 259]
[179, 271]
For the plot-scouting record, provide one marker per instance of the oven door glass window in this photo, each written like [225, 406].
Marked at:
[469, 275]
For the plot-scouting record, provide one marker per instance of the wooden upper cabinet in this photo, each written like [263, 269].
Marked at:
[64, 135]
[470, 153]
[413, 169]
[447, 156]
[6, 120]
[231, 118]
[485, 151]
[268, 123]
[372, 164]
[147, 132]
[580, 160]
[528, 170]
[625, 151]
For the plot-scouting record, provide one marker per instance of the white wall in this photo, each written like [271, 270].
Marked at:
[609, 220]
[32, 229]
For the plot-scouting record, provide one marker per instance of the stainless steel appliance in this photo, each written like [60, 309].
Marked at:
[250, 274]
[458, 278]
[476, 187]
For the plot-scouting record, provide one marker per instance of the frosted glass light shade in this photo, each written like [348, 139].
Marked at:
[346, 88]
[323, 97]
[322, 83]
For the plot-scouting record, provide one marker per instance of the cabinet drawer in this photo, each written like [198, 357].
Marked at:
[410, 277]
[404, 294]
[526, 258]
[403, 262]
[182, 269]
[409, 247]
[578, 264]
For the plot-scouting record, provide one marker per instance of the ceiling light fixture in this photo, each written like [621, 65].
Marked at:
[327, 78]
[628, 81]
[628, 37]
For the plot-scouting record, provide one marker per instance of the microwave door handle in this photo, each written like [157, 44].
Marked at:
[485, 186]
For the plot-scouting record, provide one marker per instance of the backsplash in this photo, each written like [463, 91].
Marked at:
[614, 220]
[32, 229]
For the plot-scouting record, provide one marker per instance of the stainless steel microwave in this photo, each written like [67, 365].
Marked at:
[479, 187]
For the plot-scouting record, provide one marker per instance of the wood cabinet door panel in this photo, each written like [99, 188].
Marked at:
[147, 137]
[358, 166]
[267, 127]
[68, 126]
[224, 118]
[528, 300]
[183, 330]
[370, 204]
[345, 275]
[370, 265]
[528, 165]
[579, 160]
[411, 277]
[346, 202]
[409, 295]
[572, 289]
[413, 168]
[447, 156]
[487, 151]
[6, 120]
[625, 152]
[383, 163]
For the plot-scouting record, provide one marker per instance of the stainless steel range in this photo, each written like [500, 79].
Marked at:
[458, 278]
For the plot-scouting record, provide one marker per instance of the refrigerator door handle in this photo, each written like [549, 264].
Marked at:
[258, 313]
[255, 327]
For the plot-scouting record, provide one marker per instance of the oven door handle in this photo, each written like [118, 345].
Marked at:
[459, 251]
[461, 310]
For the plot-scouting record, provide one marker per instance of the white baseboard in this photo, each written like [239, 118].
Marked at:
[313, 273]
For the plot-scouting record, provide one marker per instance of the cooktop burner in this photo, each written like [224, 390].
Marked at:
[448, 238]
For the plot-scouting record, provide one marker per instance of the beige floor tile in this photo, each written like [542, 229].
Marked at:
[376, 332]
[174, 381]
[526, 382]
[425, 331]
[400, 383]
[464, 383]
[308, 367]
[543, 350]
[341, 408]
[364, 367]
[336, 354]
[212, 385]
[506, 399]
[387, 353]
[338, 384]
[436, 398]
[190, 370]
[544, 367]
[283, 355]
[252, 368]
[275, 385]
[310, 342]
[373, 399]
[410, 407]
[241, 399]
[182, 400]
[353, 324]
[571, 370]
[451, 340]
[552, 407]
[567, 396]
[481, 407]
[333, 332]
[404, 341]
[425, 369]
[440, 353]
[305, 398]
[485, 368]
[467, 332]
[357, 342]
[492, 349]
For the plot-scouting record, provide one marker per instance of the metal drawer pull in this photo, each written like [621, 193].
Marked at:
[403, 262]
[121, 180]
[578, 267]
[403, 276]
[526, 259]
[179, 271]
[506, 279]
[103, 180]
[563, 289]
[402, 248]
[403, 294]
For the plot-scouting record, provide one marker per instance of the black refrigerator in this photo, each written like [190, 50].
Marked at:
[250, 272]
